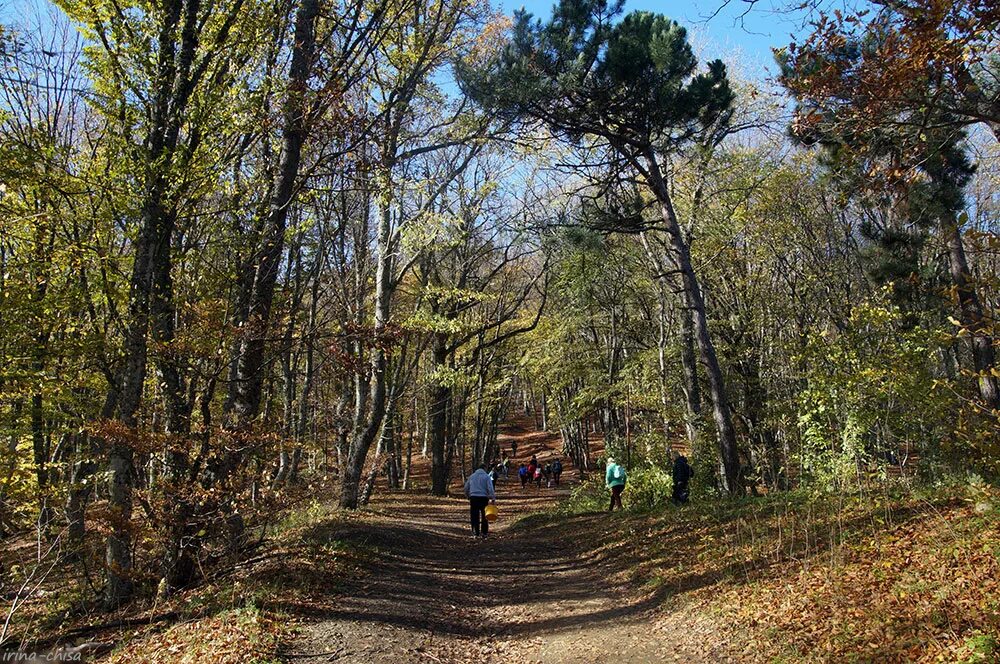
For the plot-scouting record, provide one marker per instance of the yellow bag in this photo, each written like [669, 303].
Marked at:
[491, 513]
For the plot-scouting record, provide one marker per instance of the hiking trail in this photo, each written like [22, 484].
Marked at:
[525, 594]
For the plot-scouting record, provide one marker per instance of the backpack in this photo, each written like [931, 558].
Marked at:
[557, 467]
[618, 472]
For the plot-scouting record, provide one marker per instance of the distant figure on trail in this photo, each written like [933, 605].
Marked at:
[494, 472]
[547, 472]
[513, 449]
[505, 467]
[479, 491]
[522, 472]
[683, 472]
[614, 479]
[532, 467]
[556, 470]
[538, 476]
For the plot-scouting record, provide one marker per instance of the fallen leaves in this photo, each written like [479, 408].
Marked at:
[232, 637]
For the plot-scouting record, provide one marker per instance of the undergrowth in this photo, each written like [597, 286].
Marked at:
[239, 611]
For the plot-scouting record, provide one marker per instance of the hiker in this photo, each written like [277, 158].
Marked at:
[494, 472]
[538, 476]
[513, 449]
[505, 467]
[614, 479]
[522, 472]
[479, 491]
[683, 472]
[547, 472]
[556, 470]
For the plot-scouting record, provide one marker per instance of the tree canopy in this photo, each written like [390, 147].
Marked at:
[260, 261]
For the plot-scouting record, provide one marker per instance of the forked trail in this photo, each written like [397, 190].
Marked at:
[526, 594]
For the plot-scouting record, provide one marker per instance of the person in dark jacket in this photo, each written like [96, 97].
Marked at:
[556, 470]
[683, 472]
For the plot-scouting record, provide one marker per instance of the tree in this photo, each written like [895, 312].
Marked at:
[925, 63]
[631, 88]
[896, 127]
[477, 276]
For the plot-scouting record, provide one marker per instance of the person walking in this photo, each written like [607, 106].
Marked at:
[538, 477]
[479, 490]
[683, 472]
[556, 470]
[513, 449]
[547, 472]
[522, 472]
[614, 479]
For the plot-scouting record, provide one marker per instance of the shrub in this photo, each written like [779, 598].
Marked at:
[649, 488]
[588, 496]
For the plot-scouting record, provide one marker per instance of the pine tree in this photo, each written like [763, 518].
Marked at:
[628, 87]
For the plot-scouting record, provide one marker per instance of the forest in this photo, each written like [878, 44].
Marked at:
[277, 276]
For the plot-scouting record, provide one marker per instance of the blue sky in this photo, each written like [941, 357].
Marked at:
[764, 24]
[740, 33]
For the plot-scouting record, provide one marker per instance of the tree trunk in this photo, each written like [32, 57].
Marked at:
[409, 462]
[971, 314]
[692, 390]
[246, 389]
[40, 448]
[545, 411]
[364, 436]
[302, 420]
[437, 425]
[171, 91]
[681, 256]
[80, 489]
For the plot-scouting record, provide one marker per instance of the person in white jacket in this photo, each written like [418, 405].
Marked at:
[479, 491]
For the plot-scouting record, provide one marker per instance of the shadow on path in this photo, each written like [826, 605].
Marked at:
[435, 592]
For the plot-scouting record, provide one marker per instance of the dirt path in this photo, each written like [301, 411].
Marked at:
[437, 594]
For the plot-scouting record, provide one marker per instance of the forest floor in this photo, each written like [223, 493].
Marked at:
[885, 576]
[527, 593]
[892, 574]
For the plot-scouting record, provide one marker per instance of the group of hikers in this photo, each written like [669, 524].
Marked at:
[535, 472]
[480, 487]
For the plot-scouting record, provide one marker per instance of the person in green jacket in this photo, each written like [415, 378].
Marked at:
[614, 479]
